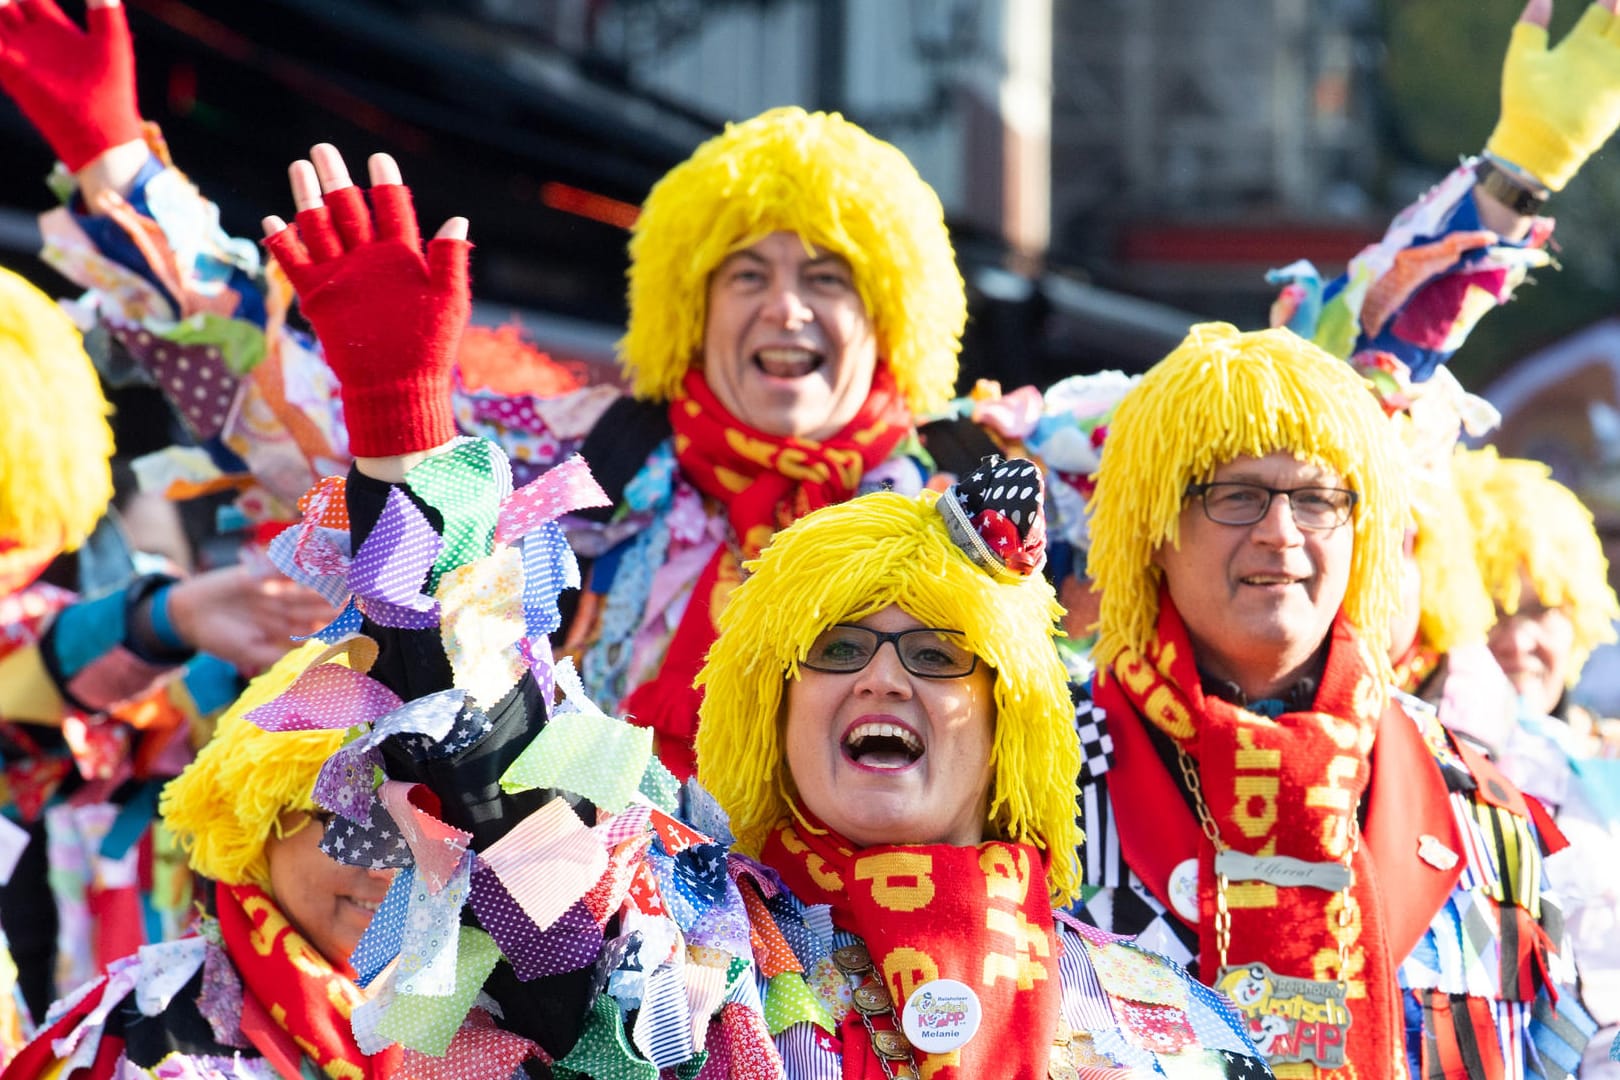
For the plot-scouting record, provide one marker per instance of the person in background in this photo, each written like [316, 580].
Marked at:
[1543, 562]
[264, 988]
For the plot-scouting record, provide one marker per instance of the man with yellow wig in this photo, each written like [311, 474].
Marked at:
[1314, 843]
[265, 989]
[794, 305]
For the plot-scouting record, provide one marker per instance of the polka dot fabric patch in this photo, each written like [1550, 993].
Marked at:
[588, 754]
[428, 1024]
[324, 697]
[193, 377]
[466, 484]
[479, 1051]
[572, 942]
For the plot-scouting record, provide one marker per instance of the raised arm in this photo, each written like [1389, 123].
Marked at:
[1467, 244]
[77, 87]
[391, 317]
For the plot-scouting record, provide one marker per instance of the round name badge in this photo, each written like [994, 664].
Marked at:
[941, 1016]
[1184, 889]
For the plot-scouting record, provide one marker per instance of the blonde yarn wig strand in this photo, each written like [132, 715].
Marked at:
[225, 804]
[55, 443]
[1524, 519]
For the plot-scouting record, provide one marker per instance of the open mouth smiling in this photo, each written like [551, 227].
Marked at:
[788, 362]
[882, 746]
[1271, 579]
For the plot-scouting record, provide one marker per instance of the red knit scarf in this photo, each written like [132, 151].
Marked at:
[980, 915]
[294, 1004]
[765, 482]
[1289, 786]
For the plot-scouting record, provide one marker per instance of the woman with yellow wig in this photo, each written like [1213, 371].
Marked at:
[265, 988]
[888, 725]
[1543, 562]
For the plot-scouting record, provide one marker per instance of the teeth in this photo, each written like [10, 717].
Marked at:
[881, 731]
[1260, 580]
[787, 363]
[368, 905]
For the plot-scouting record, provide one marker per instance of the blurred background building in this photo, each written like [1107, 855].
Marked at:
[1112, 169]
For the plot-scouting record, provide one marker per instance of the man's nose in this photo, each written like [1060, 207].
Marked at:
[786, 306]
[1278, 524]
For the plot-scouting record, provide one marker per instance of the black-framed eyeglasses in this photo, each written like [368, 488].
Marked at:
[1238, 502]
[928, 652]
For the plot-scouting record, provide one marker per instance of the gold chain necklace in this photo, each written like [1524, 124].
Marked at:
[872, 1001]
[1253, 986]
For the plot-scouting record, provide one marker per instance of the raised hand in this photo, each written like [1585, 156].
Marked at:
[1559, 105]
[389, 318]
[76, 87]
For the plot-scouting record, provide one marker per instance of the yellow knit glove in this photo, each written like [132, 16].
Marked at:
[1559, 105]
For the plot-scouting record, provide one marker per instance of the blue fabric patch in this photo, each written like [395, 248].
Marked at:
[86, 631]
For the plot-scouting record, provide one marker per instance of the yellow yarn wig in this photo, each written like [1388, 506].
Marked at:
[1456, 609]
[1524, 519]
[226, 803]
[840, 564]
[840, 190]
[1223, 394]
[55, 441]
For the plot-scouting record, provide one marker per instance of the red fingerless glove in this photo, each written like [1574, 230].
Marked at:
[77, 88]
[389, 319]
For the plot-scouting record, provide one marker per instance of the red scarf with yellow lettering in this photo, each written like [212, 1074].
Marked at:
[980, 915]
[765, 482]
[1288, 786]
[294, 1003]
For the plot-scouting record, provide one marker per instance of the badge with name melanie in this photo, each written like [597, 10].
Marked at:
[941, 1016]
[1290, 1020]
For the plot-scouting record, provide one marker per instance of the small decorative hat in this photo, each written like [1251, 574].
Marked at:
[994, 514]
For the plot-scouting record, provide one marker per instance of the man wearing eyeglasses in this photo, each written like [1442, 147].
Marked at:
[1366, 889]
[1262, 562]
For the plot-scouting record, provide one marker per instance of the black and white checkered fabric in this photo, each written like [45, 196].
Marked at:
[1096, 744]
[1116, 900]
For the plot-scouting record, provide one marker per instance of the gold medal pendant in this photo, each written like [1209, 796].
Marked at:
[1290, 1020]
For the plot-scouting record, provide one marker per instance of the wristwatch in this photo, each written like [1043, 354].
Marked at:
[1514, 189]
